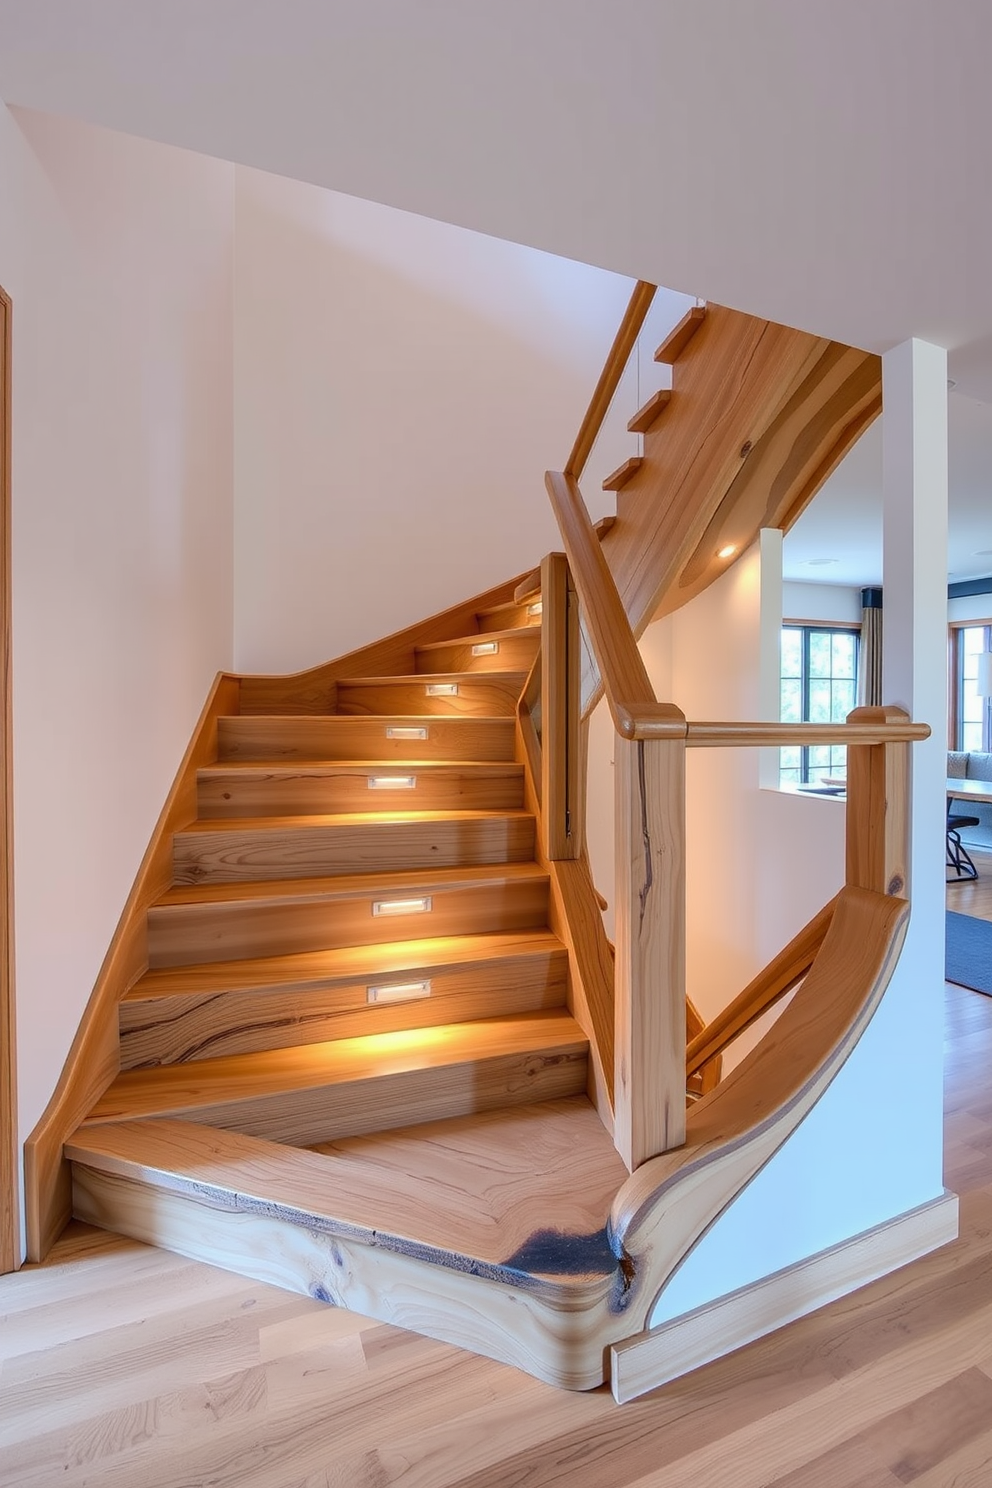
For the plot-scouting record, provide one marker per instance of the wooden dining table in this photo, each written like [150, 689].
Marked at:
[969, 790]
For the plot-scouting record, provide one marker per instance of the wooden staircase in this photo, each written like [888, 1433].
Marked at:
[359, 1031]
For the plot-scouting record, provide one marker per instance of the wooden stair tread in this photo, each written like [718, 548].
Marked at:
[177, 1089]
[517, 633]
[680, 335]
[352, 885]
[344, 963]
[652, 410]
[509, 1170]
[330, 736]
[427, 679]
[385, 816]
[618, 478]
[262, 769]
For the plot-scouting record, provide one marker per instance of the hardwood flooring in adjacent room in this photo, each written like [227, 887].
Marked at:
[125, 1367]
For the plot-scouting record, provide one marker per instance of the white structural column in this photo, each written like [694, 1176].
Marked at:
[914, 676]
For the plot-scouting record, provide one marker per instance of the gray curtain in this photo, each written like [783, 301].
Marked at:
[870, 653]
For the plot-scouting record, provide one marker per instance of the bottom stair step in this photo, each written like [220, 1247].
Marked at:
[486, 1231]
[320, 1092]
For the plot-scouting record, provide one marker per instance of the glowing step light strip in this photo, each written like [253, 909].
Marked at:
[442, 689]
[422, 905]
[485, 648]
[392, 782]
[398, 992]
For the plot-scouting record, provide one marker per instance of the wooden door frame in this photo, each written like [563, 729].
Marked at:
[10, 1228]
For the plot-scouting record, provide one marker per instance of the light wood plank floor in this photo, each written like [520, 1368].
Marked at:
[124, 1367]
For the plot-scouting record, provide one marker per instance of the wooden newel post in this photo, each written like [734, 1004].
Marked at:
[878, 809]
[650, 950]
[560, 700]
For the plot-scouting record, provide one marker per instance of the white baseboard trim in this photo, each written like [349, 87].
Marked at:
[649, 1359]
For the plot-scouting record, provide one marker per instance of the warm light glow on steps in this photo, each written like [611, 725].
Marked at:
[402, 906]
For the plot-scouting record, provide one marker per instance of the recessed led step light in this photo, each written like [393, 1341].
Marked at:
[392, 782]
[537, 608]
[442, 689]
[395, 732]
[402, 906]
[398, 992]
[485, 648]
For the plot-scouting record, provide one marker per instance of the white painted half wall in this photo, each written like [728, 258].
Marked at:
[117, 254]
[401, 387]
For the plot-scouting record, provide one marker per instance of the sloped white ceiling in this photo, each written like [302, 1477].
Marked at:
[822, 162]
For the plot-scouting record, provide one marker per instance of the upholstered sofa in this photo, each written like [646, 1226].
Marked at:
[962, 766]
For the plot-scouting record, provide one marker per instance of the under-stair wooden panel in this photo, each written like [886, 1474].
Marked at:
[235, 1007]
[400, 738]
[305, 847]
[319, 1092]
[486, 694]
[236, 790]
[498, 651]
[679, 337]
[218, 922]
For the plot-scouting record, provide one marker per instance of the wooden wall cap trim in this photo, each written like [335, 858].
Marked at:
[650, 721]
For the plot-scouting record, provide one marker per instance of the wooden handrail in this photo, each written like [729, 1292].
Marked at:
[646, 723]
[628, 688]
[609, 378]
[763, 992]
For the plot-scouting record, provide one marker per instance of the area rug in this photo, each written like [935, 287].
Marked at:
[969, 952]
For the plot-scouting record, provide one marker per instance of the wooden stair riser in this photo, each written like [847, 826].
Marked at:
[185, 1027]
[485, 695]
[249, 853]
[514, 652]
[182, 934]
[267, 739]
[320, 1093]
[511, 617]
[287, 790]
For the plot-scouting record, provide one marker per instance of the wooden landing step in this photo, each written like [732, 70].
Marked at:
[179, 1014]
[384, 738]
[220, 922]
[488, 1232]
[679, 336]
[652, 410]
[347, 1087]
[482, 694]
[304, 788]
[623, 473]
[499, 650]
[271, 847]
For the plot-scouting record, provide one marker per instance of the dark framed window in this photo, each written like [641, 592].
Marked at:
[819, 684]
[972, 714]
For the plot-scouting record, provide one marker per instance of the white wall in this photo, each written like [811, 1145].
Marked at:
[117, 254]
[402, 385]
[831, 604]
[977, 607]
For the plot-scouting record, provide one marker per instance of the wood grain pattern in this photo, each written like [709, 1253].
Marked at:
[262, 739]
[236, 1007]
[481, 694]
[310, 847]
[618, 478]
[314, 690]
[878, 808]
[10, 1223]
[129, 1365]
[609, 378]
[760, 994]
[680, 335]
[508, 616]
[225, 791]
[515, 651]
[94, 1057]
[649, 1086]
[318, 1092]
[220, 922]
[646, 417]
[578, 921]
